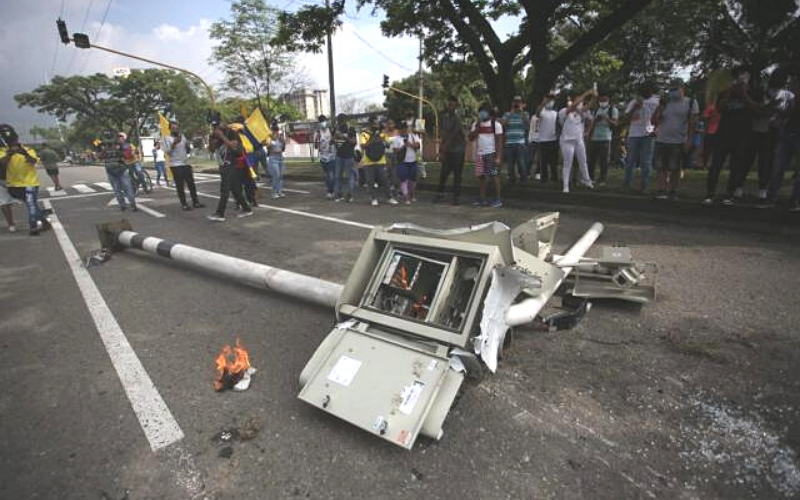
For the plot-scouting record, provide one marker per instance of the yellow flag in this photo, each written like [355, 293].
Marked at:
[258, 126]
[163, 126]
[243, 110]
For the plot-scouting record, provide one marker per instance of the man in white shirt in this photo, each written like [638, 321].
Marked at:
[178, 149]
[405, 146]
[488, 134]
[323, 141]
[573, 120]
[548, 139]
[641, 136]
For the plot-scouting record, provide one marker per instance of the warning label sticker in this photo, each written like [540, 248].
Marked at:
[410, 397]
[344, 371]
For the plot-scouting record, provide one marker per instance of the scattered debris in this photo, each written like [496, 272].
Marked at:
[233, 368]
[97, 257]
[226, 452]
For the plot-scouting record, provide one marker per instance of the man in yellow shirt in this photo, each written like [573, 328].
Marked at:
[373, 144]
[22, 181]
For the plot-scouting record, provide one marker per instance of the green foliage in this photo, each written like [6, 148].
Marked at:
[96, 102]
[306, 29]
[253, 65]
[230, 108]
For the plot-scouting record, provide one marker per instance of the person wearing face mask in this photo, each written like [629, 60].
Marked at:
[641, 137]
[736, 109]
[516, 123]
[604, 119]
[573, 122]
[452, 150]
[548, 139]
[674, 121]
[488, 135]
[345, 140]
[323, 142]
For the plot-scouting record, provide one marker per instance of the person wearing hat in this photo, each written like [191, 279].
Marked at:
[226, 143]
[516, 122]
[674, 120]
[345, 140]
[275, 165]
[323, 142]
[19, 167]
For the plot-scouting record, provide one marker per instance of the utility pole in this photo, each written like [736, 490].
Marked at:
[330, 67]
[421, 80]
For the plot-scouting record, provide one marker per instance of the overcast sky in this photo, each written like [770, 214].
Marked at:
[174, 32]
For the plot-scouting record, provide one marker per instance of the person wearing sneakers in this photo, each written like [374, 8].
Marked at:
[674, 119]
[405, 146]
[112, 153]
[19, 165]
[49, 160]
[178, 148]
[275, 165]
[226, 141]
[373, 143]
[323, 141]
[573, 123]
[487, 132]
[345, 140]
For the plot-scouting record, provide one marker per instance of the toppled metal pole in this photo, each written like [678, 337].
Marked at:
[527, 310]
[256, 275]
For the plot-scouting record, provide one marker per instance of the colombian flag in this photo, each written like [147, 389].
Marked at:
[163, 127]
[255, 131]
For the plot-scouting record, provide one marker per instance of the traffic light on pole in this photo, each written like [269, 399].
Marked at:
[81, 40]
[386, 81]
[62, 31]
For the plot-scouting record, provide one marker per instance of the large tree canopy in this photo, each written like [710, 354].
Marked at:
[127, 104]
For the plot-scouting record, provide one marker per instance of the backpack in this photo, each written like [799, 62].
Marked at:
[375, 148]
[400, 153]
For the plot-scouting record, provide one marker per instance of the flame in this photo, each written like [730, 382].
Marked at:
[231, 365]
[401, 278]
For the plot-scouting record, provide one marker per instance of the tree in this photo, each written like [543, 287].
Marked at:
[96, 102]
[51, 134]
[252, 65]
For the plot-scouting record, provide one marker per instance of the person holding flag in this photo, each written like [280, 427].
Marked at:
[226, 141]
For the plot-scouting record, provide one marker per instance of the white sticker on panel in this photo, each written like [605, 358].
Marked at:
[410, 397]
[344, 371]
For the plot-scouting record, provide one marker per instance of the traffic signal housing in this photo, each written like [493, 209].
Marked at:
[386, 81]
[62, 31]
[81, 40]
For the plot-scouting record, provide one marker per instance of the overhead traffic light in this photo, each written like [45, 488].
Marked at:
[62, 31]
[385, 81]
[81, 40]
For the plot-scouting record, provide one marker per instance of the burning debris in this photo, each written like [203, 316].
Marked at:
[233, 368]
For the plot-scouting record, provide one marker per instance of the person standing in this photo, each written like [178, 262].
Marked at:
[6, 200]
[516, 123]
[487, 133]
[641, 136]
[548, 139]
[761, 145]
[390, 132]
[405, 146]
[323, 141]
[452, 150]
[159, 161]
[788, 150]
[604, 119]
[735, 130]
[532, 156]
[373, 143]
[674, 121]
[573, 124]
[182, 172]
[711, 117]
[345, 140]
[225, 142]
[275, 165]
[49, 160]
[112, 152]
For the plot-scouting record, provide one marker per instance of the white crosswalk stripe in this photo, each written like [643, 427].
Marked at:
[52, 191]
[105, 185]
[205, 176]
[83, 188]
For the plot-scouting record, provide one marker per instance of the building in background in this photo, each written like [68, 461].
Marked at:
[310, 103]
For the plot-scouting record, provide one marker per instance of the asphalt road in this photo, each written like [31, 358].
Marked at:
[694, 397]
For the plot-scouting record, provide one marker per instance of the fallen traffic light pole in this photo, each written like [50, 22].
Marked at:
[423, 309]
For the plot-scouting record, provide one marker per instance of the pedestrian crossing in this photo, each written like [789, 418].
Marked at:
[80, 188]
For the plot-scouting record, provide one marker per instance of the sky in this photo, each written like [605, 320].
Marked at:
[176, 33]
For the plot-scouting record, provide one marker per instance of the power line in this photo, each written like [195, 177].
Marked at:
[381, 53]
[83, 25]
[97, 33]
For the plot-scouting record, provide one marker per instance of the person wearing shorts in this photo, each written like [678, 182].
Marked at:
[488, 134]
[675, 118]
[405, 146]
[49, 159]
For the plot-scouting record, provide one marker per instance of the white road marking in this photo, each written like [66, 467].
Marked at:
[115, 203]
[82, 188]
[105, 185]
[150, 211]
[52, 191]
[159, 426]
[88, 195]
[303, 214]
[265, 186]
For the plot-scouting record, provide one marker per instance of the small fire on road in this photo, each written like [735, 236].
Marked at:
[233, 368]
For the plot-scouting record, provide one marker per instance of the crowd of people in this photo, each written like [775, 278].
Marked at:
[742, 126]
